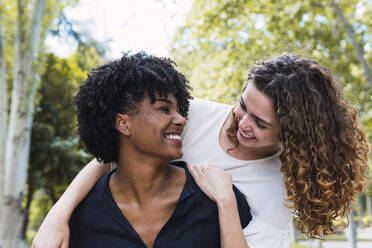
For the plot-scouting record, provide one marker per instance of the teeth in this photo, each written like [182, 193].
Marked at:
[173, 136]
[247, 136]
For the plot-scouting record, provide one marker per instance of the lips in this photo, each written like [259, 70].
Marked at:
[246, 136]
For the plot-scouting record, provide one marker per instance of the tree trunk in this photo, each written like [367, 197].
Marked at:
[369, 209]
[349, 29]
[352, 231]
[18, 138]
[11, 211]
[3, 111]
[319, 243]
[360, 211]
[30, 194]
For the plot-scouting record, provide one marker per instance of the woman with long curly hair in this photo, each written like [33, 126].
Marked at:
[291, 143]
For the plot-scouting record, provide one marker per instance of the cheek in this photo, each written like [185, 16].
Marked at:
[272, 137]
[265, 134]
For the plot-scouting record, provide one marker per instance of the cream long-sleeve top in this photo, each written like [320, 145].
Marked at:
[260, 180]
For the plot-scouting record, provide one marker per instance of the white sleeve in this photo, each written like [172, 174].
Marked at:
[113, 166]
[259, 235]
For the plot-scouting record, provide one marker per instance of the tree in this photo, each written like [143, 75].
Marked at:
[3, 103]
[56, 153]
[32, 21]
[351, 231]
[358, 49]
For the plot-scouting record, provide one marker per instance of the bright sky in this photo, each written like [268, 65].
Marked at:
[124, 25]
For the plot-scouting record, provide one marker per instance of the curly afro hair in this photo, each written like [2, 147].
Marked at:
[118, 87]
[324, 148]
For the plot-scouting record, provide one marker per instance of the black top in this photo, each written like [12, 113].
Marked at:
[98, 221]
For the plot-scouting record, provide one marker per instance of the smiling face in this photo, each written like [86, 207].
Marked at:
[155, 128]
[258, 122]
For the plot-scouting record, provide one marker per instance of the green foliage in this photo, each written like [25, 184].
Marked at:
[53, 141]
[222, 38]
[297, 246]
[8, 10]
[369, 189]
[38, 210]
[56, 153]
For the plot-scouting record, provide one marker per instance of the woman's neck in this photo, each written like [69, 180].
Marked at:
[140, 179]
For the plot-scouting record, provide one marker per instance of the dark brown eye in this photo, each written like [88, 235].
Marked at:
[165, 109]
[260, 126]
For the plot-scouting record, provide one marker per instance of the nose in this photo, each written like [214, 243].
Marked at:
[244, 123]
[179, 120]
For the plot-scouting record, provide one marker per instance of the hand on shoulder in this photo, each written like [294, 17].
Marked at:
[214, 182]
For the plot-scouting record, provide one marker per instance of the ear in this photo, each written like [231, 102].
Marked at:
[121, 124]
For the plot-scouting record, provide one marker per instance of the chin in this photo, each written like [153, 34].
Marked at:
[175, 155]
[178, 156]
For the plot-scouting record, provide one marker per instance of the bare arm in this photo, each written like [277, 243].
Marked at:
[54, 231]
[230, 227]
[217, 185]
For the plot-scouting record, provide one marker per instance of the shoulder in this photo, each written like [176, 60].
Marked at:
[206, 112]
[198, 104]
[95, 196]
[208, 204]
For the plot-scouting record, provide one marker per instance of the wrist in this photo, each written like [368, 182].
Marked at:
[60, 213]
[226, 199]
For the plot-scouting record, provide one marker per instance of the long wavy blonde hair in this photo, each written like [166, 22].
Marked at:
[324, 148]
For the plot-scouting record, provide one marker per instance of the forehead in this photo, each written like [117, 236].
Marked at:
[169, 99]
[257, 102]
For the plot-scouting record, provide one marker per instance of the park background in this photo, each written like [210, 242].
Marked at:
[48, 46]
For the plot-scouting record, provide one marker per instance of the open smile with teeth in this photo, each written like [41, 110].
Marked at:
[246, 136]
[173, 136]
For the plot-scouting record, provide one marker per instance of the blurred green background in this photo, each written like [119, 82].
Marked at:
[214, 47]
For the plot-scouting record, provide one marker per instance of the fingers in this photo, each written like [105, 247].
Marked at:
[65, 243]
[213, 167]
[191, 170]
[194, 171]
[209, 171]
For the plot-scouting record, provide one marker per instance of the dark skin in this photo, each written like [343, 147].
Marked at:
[148, 210]
[145, 187]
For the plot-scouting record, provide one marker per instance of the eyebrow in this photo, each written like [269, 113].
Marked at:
[244, 107]
[261, 120]
[163, 100]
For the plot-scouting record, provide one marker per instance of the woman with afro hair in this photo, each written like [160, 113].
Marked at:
[131, 112]
[292, 144]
